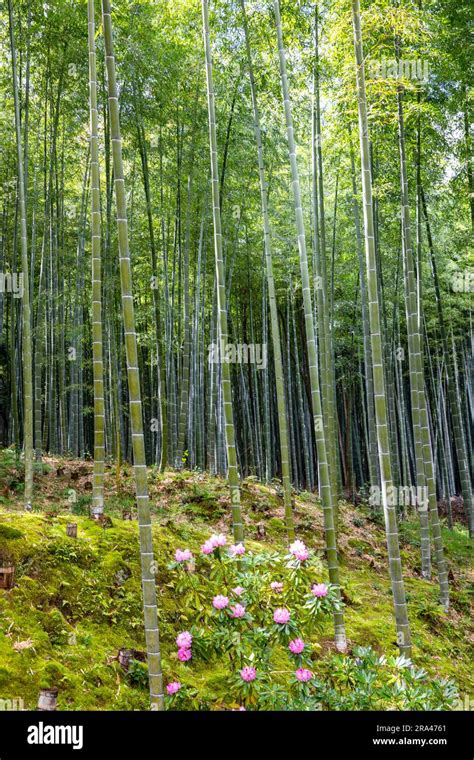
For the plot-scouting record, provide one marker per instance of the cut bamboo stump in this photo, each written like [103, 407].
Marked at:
[102, 519]
[121, 576]
[48, 699]
[125, 655]
[71, 530]
[7, 575]
[126, 514]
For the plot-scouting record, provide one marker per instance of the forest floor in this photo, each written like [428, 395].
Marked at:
[76, 602]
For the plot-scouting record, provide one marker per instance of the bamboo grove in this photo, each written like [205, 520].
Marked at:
[234, 238]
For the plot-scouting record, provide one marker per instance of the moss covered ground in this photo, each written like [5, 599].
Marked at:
[77, 601]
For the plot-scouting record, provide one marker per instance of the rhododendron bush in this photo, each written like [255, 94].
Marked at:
[253, 617]
[254, 614]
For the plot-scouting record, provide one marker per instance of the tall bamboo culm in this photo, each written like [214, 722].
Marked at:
[136, 420]
[275, 328]
[325, 336]
[233, 474]
[414, 347]
[428, 510]
[454, 401]
[27, 350]
[97, 347]
[328, 497]
[391, 525]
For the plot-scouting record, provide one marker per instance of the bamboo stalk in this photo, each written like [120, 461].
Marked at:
[148, 564]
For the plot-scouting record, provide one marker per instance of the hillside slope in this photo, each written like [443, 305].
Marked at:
[77, 602]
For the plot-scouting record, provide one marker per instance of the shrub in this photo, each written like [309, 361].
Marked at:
[137, 674]
[368, 681]
[253, 614]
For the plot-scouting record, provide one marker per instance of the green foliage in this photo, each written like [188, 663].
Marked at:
[368, 681]
[82, 505]
[137, 674]
[56, 627]
[9, 533]
[10, 465]
[231, 611]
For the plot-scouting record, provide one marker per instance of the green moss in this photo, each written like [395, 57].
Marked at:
[359, 544]
[56, 627]
[9, 533]
[5, 677]
[275, 527]
[78, 601]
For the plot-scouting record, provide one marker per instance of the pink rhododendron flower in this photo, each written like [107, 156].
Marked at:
[276, 586]
[281, 615]
[248, 673]
[299, 550]
[207, 547]
[238, 611]
[296, 646]
[184, 640]
[303, 674]
[184, 654]
[217, 539]
[172, 688]
[319, 589]
[238, 590]
[183, 556]
[220, 601]
[236, 550]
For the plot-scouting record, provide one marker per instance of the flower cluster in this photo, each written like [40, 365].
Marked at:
[296, 646]
[183, 555]
[303, 674]
[184, 641]
[299, 550]
[214, 542]
[220, 602]
[248, 674]
[281, 616]
[231, 606]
